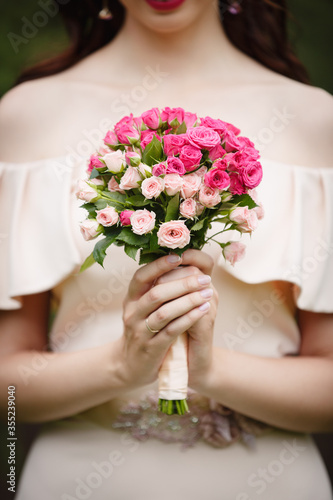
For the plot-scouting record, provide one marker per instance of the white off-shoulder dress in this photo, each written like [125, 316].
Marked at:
[123, 450]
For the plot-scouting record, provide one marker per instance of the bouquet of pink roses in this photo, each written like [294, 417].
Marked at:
[156, 185]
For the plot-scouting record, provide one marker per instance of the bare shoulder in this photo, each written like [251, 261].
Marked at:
[27, 113]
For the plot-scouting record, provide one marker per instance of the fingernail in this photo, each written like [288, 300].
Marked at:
[204, 279]
[207, 292]
[173, 258]
[204, 307]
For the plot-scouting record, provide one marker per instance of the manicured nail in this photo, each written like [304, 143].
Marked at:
[204, 279]
[206, 293]
[204, 307]
[173, 258]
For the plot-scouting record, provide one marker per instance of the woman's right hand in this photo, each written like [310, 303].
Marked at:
[172, 308]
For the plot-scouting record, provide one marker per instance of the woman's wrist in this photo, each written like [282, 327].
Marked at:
[213, 381]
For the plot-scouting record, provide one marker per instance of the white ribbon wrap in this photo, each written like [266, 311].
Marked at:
[173, 374]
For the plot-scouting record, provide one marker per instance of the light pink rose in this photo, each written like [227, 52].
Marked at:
[173, 234]
[175, 166]
[259, 210]
[234, 252]
[217, 178]
[174, 116]
[94, 162]
[246, 219]
[159, 169]
[147, 137]
[130, 179]
[188, 208]
[96, 182]
[236, 184]
[115, 161]
[191, 185]
[114, 186]
[125, 217]
[191, 157]
[216, 152]
[85, 192]
[108, 216]
[200, 208]
[128, 134]
[151, 118]
[203, 137]
[251, 175]
[201, 172]
[172, 184]
[145, 170]
[173, 143]
[111, 139]
[209, 197]
[132, 158]
[152, 187]
[143, 221]
[90, 229]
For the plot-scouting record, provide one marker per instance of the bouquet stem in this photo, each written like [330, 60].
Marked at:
[173, 378]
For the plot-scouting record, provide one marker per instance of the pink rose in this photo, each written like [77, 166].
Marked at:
[234, 252]
[188, 208]
[245, 219]
[217, 179]
[203, 137]
[132, 158]
[191, 185]
[90, 229]
[172, 184]
[173, 143]
[125, 217]
[147, 137]
[216, 152]
[173, 234]
[221, 164]
[107, 217]
[115, 161]
[128, 135]
[143, 221]
[114, 186]
[85, 192]
[152, 187]
[130, 179]
[191, 157]
[209, 197]
[230, 142]
[111, 139]
[174, 116]
[175, 166]
[236, 184]
[151, 118]
[251, 174]
[126, 120]
[159, 169]
[219, 125]
[190, 119]
[94, 162]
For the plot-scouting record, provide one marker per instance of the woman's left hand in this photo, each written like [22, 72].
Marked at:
[201, 333]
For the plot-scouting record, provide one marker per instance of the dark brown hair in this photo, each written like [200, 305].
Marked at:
[259, 30]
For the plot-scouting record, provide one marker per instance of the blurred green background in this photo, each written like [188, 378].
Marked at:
[310, 30]
[312, 37]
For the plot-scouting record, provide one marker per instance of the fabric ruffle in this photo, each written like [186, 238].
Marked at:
[294, 240]
[37, 249]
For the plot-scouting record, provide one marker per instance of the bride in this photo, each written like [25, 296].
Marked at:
[260, 334]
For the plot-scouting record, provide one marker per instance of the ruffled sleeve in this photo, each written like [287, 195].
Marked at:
[37, 249]
[294, 240]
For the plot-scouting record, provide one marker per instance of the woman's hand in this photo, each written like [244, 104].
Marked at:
[196, 263]
[171, 307]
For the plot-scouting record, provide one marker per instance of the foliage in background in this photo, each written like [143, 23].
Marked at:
[310, 29]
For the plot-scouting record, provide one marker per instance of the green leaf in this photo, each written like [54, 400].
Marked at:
[101, 246]
[153, 152]
[172, 208]
[94, 173]
[198, 225]
[116, 200]
[137, 240]
[138, 200]
[87, 263]
[244, 200]
[100, 204]
[154, 242]
[131, 250]
[91, 209]
[182, 128]
[145, 258]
